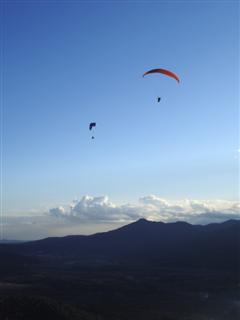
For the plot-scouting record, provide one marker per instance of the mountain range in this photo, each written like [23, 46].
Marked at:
[143, 242]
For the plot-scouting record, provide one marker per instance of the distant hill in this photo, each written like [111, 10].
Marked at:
[143, 242]
[9, 241]
[143, 270]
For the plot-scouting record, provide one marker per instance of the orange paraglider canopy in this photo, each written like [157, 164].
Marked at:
[163, 71]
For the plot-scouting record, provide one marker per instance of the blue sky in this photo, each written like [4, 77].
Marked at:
[69, 63]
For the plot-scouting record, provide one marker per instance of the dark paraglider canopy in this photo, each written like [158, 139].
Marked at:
[163, 71]
[91, 125]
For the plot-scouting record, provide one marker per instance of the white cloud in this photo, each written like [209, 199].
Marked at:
[57, 212]
[150, 207]
[100, 208]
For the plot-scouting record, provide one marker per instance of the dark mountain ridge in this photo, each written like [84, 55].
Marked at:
[145, 242]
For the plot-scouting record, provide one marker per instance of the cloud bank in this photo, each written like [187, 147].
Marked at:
[101, 209]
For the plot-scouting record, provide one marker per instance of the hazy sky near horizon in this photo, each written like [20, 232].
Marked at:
[67, 64]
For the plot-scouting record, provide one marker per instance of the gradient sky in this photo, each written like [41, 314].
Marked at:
[66, 64]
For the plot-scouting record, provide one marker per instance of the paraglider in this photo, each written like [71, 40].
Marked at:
[91, 125]
[163, 71]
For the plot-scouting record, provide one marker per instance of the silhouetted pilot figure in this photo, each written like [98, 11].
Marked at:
[158, 99]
